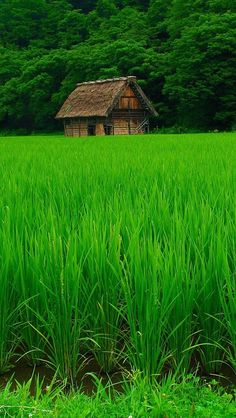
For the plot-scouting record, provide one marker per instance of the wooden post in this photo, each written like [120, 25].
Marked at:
[100, 128]
[129, 123]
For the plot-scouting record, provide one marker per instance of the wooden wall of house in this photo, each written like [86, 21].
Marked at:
[123, 122]
[128, 114]
[79, 127]
[127, 121]
[129, 100]
[75, 127]
[120, 126]
[125, 126]
[100, 128]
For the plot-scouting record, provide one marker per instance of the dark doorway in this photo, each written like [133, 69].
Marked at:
[146, 128]
[91, 130]
[108, 129]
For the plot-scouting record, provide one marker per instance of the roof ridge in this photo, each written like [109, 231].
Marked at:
[108, 80]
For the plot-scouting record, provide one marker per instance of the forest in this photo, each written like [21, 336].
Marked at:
[183, 53]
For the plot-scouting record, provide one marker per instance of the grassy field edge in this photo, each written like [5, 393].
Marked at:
[190, 398]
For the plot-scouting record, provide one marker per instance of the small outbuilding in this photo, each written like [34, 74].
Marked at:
[107, 107]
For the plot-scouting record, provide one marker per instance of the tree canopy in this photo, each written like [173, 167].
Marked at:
[182, 51]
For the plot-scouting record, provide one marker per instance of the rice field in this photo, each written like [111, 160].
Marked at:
[123, 248]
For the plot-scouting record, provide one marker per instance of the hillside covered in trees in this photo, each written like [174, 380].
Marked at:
[182, 51]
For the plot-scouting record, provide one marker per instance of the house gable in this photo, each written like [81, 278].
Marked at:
[128, 100]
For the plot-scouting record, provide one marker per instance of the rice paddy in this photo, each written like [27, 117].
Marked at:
[120, 248]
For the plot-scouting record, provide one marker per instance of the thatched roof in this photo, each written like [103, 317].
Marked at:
[98, 98]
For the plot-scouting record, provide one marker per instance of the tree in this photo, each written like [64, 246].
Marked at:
[119, 27]
[27, 101]
[85, 5]
[106, 8]
[200, 76]
[157, 15]
[21, 21]
[182, 51]
[72, 30]
[138, 4]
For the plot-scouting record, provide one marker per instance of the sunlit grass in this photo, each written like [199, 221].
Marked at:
[119, 247]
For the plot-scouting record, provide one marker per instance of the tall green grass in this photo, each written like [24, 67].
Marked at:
[122, 248]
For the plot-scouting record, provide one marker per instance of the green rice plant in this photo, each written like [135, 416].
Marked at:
[65, 308]
[32, 293]
[207, 248]
[9, 313]
[181, 321]
[102, 287]
[227, 290]
[173, 276]
[210, 314]
[120, 240]
[148, 304]
[10, 305]
[213, 239]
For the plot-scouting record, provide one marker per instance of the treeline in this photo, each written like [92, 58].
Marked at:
[182, 51]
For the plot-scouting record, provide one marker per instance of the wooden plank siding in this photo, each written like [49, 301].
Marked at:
[128, 100]
[76, 127]
[121, 125]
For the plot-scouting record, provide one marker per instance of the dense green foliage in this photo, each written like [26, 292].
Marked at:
[120, 247]
[189, 398]
[182, 51]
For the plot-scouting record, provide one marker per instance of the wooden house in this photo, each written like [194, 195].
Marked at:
[106, 107]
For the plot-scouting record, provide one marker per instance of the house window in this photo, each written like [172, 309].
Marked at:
[91, 129]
